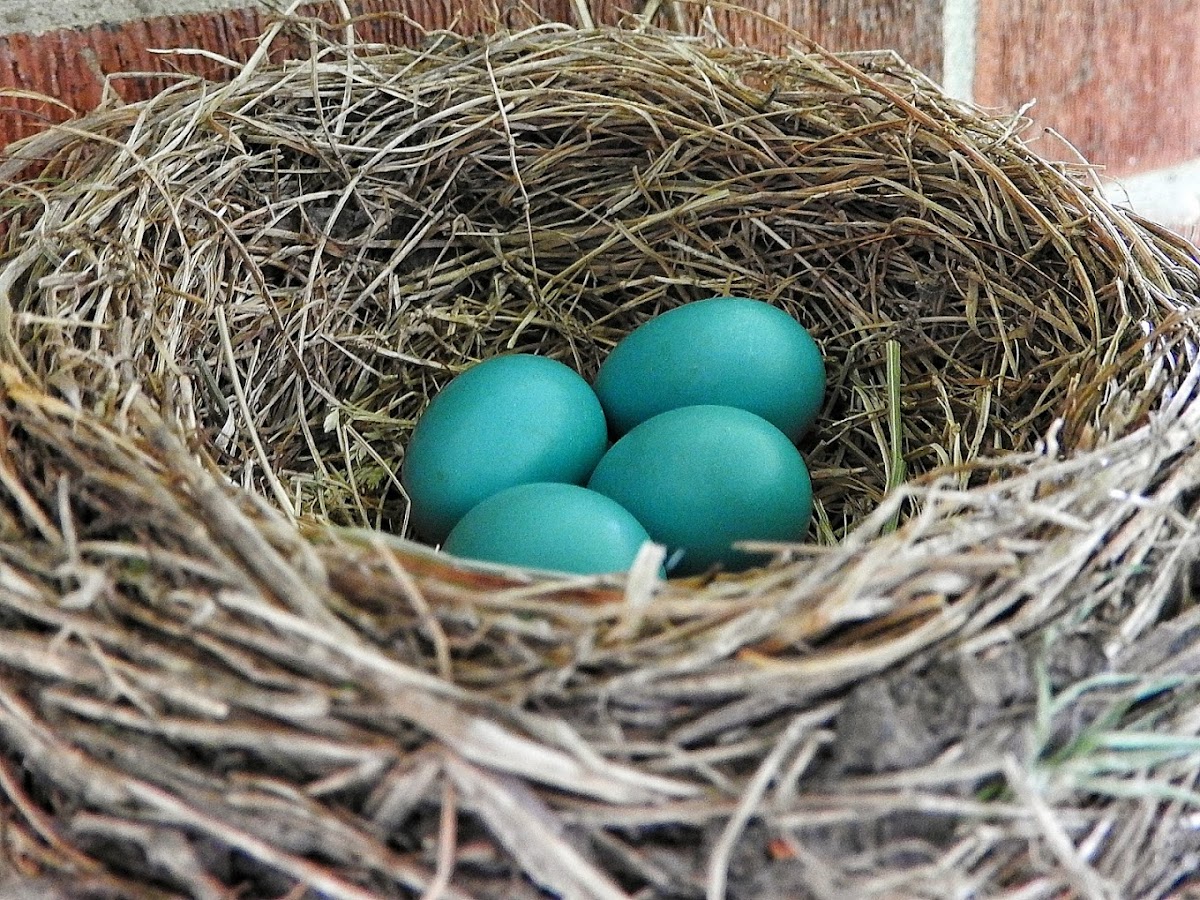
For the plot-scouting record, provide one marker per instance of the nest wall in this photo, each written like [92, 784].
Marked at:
[222, 310]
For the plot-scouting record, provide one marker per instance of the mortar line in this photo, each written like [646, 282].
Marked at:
[26, 17]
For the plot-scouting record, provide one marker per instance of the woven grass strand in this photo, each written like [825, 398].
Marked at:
[225, 667]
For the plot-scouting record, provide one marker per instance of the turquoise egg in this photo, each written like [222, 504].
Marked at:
[727, 351]
[509, 420]
[562, 527]
[700, 478]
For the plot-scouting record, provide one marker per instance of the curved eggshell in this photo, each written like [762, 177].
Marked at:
[700, 478]
[561, 527]
[509, 420]
[726, 351]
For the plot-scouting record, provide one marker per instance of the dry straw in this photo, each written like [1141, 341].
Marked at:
[226, 673]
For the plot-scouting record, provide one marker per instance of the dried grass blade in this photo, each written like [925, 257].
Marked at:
[529, 831]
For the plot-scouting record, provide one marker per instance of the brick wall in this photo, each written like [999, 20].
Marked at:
[1117, 80]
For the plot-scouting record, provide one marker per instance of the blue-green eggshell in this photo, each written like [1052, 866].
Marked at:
[726, 351]
[509, 420]
[700, 478]
[561, 527]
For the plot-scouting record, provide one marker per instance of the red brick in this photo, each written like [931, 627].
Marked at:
[71, 64]
[911, 27]
[1119, 80]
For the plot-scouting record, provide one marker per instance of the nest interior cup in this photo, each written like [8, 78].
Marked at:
[222, 311]
[316, 265]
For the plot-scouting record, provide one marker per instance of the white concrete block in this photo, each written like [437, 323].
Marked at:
[1170, 196]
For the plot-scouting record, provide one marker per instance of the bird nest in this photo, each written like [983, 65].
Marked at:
[224, 669]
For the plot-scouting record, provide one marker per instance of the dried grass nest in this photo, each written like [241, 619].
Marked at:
[224, 672]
